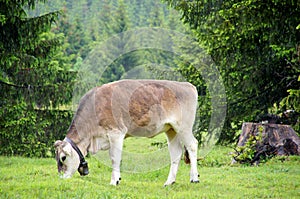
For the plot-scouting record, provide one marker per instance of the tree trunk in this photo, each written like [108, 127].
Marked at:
[277, 139]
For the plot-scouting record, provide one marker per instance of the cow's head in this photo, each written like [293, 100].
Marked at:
[68, 160]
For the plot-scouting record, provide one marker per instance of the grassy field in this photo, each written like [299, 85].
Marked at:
[38, 178]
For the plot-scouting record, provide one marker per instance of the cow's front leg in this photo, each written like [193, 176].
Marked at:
[115, 152]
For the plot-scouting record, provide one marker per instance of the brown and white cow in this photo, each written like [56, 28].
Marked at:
[143, 108]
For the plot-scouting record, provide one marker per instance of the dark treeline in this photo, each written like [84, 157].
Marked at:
[45, 47]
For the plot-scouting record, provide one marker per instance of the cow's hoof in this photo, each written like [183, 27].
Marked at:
[118, 181]
[115, 183]
[195, 181]
[169, 183]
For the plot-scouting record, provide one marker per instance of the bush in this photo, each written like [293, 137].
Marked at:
[247, 154]
[31, 133]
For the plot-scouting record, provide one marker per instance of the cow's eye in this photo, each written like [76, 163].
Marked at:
[63, 158]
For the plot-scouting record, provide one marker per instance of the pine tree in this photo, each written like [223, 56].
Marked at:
[33, 78]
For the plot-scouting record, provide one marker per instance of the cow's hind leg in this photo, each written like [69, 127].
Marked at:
[175, 150]
[191, 145]
[115, 151]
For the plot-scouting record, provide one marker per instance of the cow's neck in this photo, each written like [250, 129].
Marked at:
[81, 143]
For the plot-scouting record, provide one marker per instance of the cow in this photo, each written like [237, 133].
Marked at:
[108, 114]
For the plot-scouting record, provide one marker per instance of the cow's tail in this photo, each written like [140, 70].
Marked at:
[186, 156]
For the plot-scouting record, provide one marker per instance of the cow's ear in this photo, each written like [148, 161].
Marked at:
[57, 143]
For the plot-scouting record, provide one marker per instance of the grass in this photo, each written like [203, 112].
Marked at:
[37, 178]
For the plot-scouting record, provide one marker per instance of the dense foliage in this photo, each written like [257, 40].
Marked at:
[43, 44]
[34, 79]
[256, 46]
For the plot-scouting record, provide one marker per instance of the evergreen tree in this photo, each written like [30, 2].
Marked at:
[255, 45]
[33, 78]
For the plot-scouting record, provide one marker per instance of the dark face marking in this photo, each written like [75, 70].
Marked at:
[63, 158]
[58, 150]
[60, 166]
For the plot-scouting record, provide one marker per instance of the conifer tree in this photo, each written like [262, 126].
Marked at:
[33, 79]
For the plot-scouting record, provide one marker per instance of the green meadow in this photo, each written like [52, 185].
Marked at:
[37, 178]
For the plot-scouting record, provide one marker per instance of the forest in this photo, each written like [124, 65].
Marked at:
[242, 55]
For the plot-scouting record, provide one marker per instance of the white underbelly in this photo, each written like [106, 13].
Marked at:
[148, 131]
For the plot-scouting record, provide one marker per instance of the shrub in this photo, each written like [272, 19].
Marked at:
[31, 133]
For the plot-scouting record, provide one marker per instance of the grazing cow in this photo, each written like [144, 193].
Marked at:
[141, 108]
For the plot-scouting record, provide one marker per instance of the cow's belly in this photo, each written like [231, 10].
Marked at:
[149, 131]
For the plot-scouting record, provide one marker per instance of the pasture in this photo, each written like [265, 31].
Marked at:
[37, 178]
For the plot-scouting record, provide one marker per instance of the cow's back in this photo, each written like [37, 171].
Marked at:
[145, 107]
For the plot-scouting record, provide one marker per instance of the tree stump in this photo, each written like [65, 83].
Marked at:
[276, 139]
